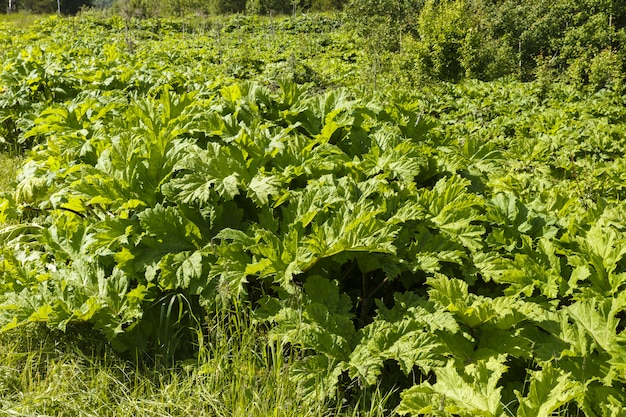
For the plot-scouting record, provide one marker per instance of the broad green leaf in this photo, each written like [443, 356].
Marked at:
[549, 389]
[474, 392]
[597, 319]
[262, 187]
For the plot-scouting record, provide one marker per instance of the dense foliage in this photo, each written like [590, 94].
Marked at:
[581, 41]
[460, 243]
[47, 6]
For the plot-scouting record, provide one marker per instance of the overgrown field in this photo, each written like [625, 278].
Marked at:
[194, 191]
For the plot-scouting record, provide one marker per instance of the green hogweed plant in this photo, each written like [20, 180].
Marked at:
[462, 245]
[361, 236]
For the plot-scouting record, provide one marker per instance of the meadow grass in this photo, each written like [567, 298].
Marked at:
[75, 373]
[21, 20]
[9, 165]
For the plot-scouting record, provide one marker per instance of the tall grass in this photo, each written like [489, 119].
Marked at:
[9, 166]
[237, 373]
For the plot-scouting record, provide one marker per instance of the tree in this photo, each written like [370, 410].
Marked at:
[383, 23]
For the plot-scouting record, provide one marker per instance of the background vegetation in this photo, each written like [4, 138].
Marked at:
[580, 41]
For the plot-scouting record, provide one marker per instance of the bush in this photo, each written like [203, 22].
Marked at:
[606, 70]
[456, 41]
[383, 23]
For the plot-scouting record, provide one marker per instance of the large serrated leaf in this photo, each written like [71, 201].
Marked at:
[549, 389]
[474, 392]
